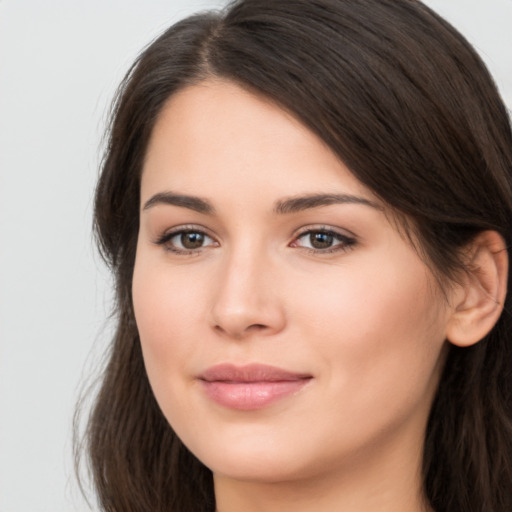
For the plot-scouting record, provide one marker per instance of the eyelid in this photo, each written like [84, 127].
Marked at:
[343, 232]
[346, 239]
[169, 234]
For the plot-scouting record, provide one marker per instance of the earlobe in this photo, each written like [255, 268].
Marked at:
[479, 299]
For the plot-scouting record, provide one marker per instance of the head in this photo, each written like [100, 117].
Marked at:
[407, 109]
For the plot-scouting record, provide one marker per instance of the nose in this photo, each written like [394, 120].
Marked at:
[246, 300]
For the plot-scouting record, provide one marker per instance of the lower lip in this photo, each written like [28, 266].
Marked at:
[248, 396]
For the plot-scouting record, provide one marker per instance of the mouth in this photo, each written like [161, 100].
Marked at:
[250, 387]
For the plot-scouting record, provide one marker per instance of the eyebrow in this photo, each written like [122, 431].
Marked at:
[300, 203]
[191, 202]
[284, 206]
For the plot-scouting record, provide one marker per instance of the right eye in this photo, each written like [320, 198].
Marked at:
[186, 241]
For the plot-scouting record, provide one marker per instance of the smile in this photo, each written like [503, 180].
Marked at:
[250, 387]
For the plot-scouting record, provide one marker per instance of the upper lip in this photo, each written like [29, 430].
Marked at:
[250, 373]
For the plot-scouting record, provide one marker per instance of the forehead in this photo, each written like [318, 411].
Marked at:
[219, 132]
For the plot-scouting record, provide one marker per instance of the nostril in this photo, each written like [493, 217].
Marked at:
[239, 332]
[246, 318]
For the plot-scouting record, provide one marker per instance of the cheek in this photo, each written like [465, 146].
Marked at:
[365, 299]
[380, 330]
[166, 303]
[167, 308]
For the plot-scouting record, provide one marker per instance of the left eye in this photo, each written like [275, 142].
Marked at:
[185, 241]
[323, 240]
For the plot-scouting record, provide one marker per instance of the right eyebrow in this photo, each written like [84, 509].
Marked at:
[191, 202]
[301, 203]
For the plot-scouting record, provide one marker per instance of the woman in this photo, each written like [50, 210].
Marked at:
[307, 207]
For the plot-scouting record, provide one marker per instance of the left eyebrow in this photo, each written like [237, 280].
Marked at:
[300, 203]
[191, 202]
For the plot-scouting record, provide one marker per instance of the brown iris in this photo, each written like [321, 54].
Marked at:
[192, 240]
[321, 240]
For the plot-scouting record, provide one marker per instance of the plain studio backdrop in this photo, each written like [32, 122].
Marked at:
[60, 62]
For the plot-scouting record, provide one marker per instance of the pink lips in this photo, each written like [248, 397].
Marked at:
[250, 387]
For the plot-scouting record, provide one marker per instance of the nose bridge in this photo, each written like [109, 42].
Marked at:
[245, 300]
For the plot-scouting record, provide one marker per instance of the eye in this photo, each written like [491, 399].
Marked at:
[185, 241]
[323, 240]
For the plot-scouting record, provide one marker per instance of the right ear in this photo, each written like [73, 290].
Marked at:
[478, 301]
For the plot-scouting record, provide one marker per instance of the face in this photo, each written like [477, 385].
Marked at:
[287, 328]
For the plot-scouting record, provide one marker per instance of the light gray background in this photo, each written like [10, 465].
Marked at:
[60, 62]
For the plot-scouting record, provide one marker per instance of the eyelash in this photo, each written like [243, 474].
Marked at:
[165, 239]
[345, 242]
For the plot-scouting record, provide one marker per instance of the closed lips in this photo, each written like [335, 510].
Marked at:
[250, 387]
[250, 373]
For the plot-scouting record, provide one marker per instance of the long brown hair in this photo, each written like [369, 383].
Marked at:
[410, 108]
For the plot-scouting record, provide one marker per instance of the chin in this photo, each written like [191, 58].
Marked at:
[270, 457]
[259, 468]
[251, 457]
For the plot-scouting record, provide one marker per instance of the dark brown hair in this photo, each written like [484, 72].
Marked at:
[410, 108]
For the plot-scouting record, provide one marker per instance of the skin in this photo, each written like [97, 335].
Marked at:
[363, 318]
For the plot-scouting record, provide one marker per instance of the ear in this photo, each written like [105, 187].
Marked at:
[478, 300]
